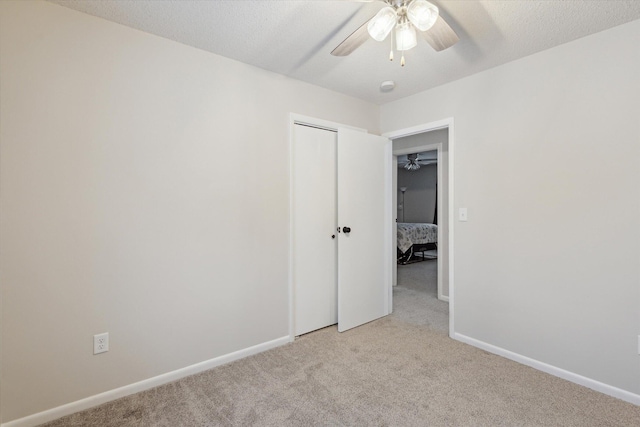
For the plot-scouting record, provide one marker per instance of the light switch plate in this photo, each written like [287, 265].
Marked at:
[462, 214]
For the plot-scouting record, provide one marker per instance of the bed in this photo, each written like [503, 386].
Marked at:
[415, 237]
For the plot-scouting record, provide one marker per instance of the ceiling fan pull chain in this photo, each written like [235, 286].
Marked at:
[391, 51]
[402, 59]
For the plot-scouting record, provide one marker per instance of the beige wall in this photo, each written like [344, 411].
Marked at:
[546, 157]
[144, 191]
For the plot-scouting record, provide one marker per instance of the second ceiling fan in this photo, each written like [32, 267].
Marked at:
[413, 162]
[403, 19]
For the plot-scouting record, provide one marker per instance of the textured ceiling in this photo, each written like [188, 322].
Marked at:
[295, 38]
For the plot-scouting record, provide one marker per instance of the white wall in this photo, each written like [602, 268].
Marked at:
[144, 191]
[546, 159]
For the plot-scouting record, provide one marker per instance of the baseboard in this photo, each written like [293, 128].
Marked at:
[443, 298]
[99, 399]
[550, 369]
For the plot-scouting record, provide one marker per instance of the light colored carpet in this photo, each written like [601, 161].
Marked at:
[415, 299]
[401, 370]
[420, 276]
[385, 373]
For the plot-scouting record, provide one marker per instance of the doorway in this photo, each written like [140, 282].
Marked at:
[436, 136]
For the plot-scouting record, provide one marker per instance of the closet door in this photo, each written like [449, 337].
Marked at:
[365, 219]
[314, 218]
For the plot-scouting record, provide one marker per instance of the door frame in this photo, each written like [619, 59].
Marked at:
[448, 124]
[300, 119]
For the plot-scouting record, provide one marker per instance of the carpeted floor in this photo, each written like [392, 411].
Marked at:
[401, 370]
[420, 276]
[415, 299]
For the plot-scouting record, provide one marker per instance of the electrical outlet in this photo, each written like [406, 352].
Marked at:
[101, 343]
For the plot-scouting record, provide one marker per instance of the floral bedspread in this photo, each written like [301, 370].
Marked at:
[413, 233]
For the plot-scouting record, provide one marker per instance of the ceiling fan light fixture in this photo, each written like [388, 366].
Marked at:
[422, 14]
[412, 166]
[381, 25]
[412, 163]
[405, 36]
[406, 17]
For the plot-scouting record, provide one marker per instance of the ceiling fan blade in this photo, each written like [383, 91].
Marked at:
[441, 36]
[354, 41]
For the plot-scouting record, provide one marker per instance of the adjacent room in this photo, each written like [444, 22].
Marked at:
[419, 294]
[174, 175]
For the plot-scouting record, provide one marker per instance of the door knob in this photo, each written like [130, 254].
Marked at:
[346, 229]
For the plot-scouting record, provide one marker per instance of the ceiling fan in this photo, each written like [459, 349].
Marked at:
[407, 17]
[414, 162]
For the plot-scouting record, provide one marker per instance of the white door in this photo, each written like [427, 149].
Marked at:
[365, 209]
[314, 220]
